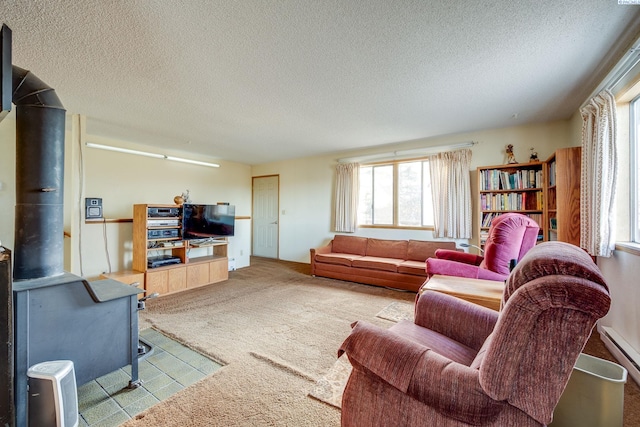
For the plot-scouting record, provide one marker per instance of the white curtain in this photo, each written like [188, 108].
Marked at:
[346, 204]
[451, 191]
[599, 170]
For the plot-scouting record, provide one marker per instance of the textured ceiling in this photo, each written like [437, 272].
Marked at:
[255, 81]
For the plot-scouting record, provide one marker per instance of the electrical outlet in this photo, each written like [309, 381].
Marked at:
[241, 252]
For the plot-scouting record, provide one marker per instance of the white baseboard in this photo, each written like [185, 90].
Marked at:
[622, 351]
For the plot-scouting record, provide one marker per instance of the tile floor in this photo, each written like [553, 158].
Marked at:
[107, 402]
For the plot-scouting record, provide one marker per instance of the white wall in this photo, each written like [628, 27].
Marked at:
[122, 180]
[306, 185]
[621, 272]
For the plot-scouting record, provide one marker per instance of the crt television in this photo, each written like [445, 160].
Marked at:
[205, 221]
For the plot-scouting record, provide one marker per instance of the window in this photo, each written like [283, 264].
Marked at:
[396, 194]
[635, 170]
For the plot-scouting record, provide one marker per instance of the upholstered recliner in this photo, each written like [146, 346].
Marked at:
[511, 235]
[461, 364]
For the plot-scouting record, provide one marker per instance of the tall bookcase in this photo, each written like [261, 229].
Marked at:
[548, 192]
[515, 187]
[160, 235]
[563, 195]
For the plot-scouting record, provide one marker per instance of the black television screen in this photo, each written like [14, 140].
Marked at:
[205, 221]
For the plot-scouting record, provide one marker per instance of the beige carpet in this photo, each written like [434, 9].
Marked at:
[330, 387]
[277, 329]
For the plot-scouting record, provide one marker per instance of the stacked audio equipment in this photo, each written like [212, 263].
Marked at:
[160, 252]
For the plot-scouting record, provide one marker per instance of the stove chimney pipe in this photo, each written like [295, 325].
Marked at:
[40, 129]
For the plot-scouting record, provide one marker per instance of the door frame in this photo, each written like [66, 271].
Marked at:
[253, 214]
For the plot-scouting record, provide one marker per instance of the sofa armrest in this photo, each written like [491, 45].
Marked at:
[458, 256]
[451, 268]
[414, 369]
[460, 320]
[385, 353]
[446, 267]
[326, 249]
[485, 274]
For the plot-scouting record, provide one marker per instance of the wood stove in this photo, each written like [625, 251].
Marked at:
[56, 315]
[94, 324]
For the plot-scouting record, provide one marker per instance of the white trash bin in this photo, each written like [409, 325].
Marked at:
[594, 396]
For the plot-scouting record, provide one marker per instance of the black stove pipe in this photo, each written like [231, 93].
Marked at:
[39, 224]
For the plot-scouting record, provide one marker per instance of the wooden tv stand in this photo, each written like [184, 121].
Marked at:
[191, 272]
[178, 277]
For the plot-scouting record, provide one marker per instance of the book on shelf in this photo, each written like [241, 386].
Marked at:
[552, 174]
[511, 201]
[537, 218]
[488, 217]
[495, 179]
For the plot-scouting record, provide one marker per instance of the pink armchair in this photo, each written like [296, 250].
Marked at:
[462, 364]
[511, 235]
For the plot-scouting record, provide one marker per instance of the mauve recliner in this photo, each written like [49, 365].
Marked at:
[511, 236]
[460, 364]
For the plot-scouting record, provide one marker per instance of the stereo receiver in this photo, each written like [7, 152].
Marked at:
[162, 212]
[165, 233]
[163, 222]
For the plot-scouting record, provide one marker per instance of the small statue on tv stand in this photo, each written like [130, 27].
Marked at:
[182, 199]
[511, 158]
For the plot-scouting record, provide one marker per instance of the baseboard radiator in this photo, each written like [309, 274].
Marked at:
[622, 351]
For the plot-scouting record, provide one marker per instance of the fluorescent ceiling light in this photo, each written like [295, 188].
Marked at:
[147, 154]
[193, 162]
[125, 150]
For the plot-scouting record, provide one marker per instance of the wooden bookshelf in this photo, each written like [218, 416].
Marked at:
[563, 172]
[517, 187]
[548, 192]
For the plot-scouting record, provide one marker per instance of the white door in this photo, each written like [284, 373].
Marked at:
[265, 216]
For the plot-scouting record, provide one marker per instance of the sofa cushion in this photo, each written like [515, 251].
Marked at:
[417, 268]
[420, 250]
[339, 259]
[387, 248]
[377, 263]
[349, 245]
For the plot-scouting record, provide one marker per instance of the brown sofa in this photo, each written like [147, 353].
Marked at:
[394, 263]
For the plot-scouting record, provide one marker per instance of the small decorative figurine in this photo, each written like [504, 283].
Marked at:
[511, 158]
[185, 196]
[182, 199]
[534, 155]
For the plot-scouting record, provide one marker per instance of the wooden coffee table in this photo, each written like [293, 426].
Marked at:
[486, 293]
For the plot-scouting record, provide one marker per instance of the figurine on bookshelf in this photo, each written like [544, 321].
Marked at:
[511, 158]
[534, 156]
